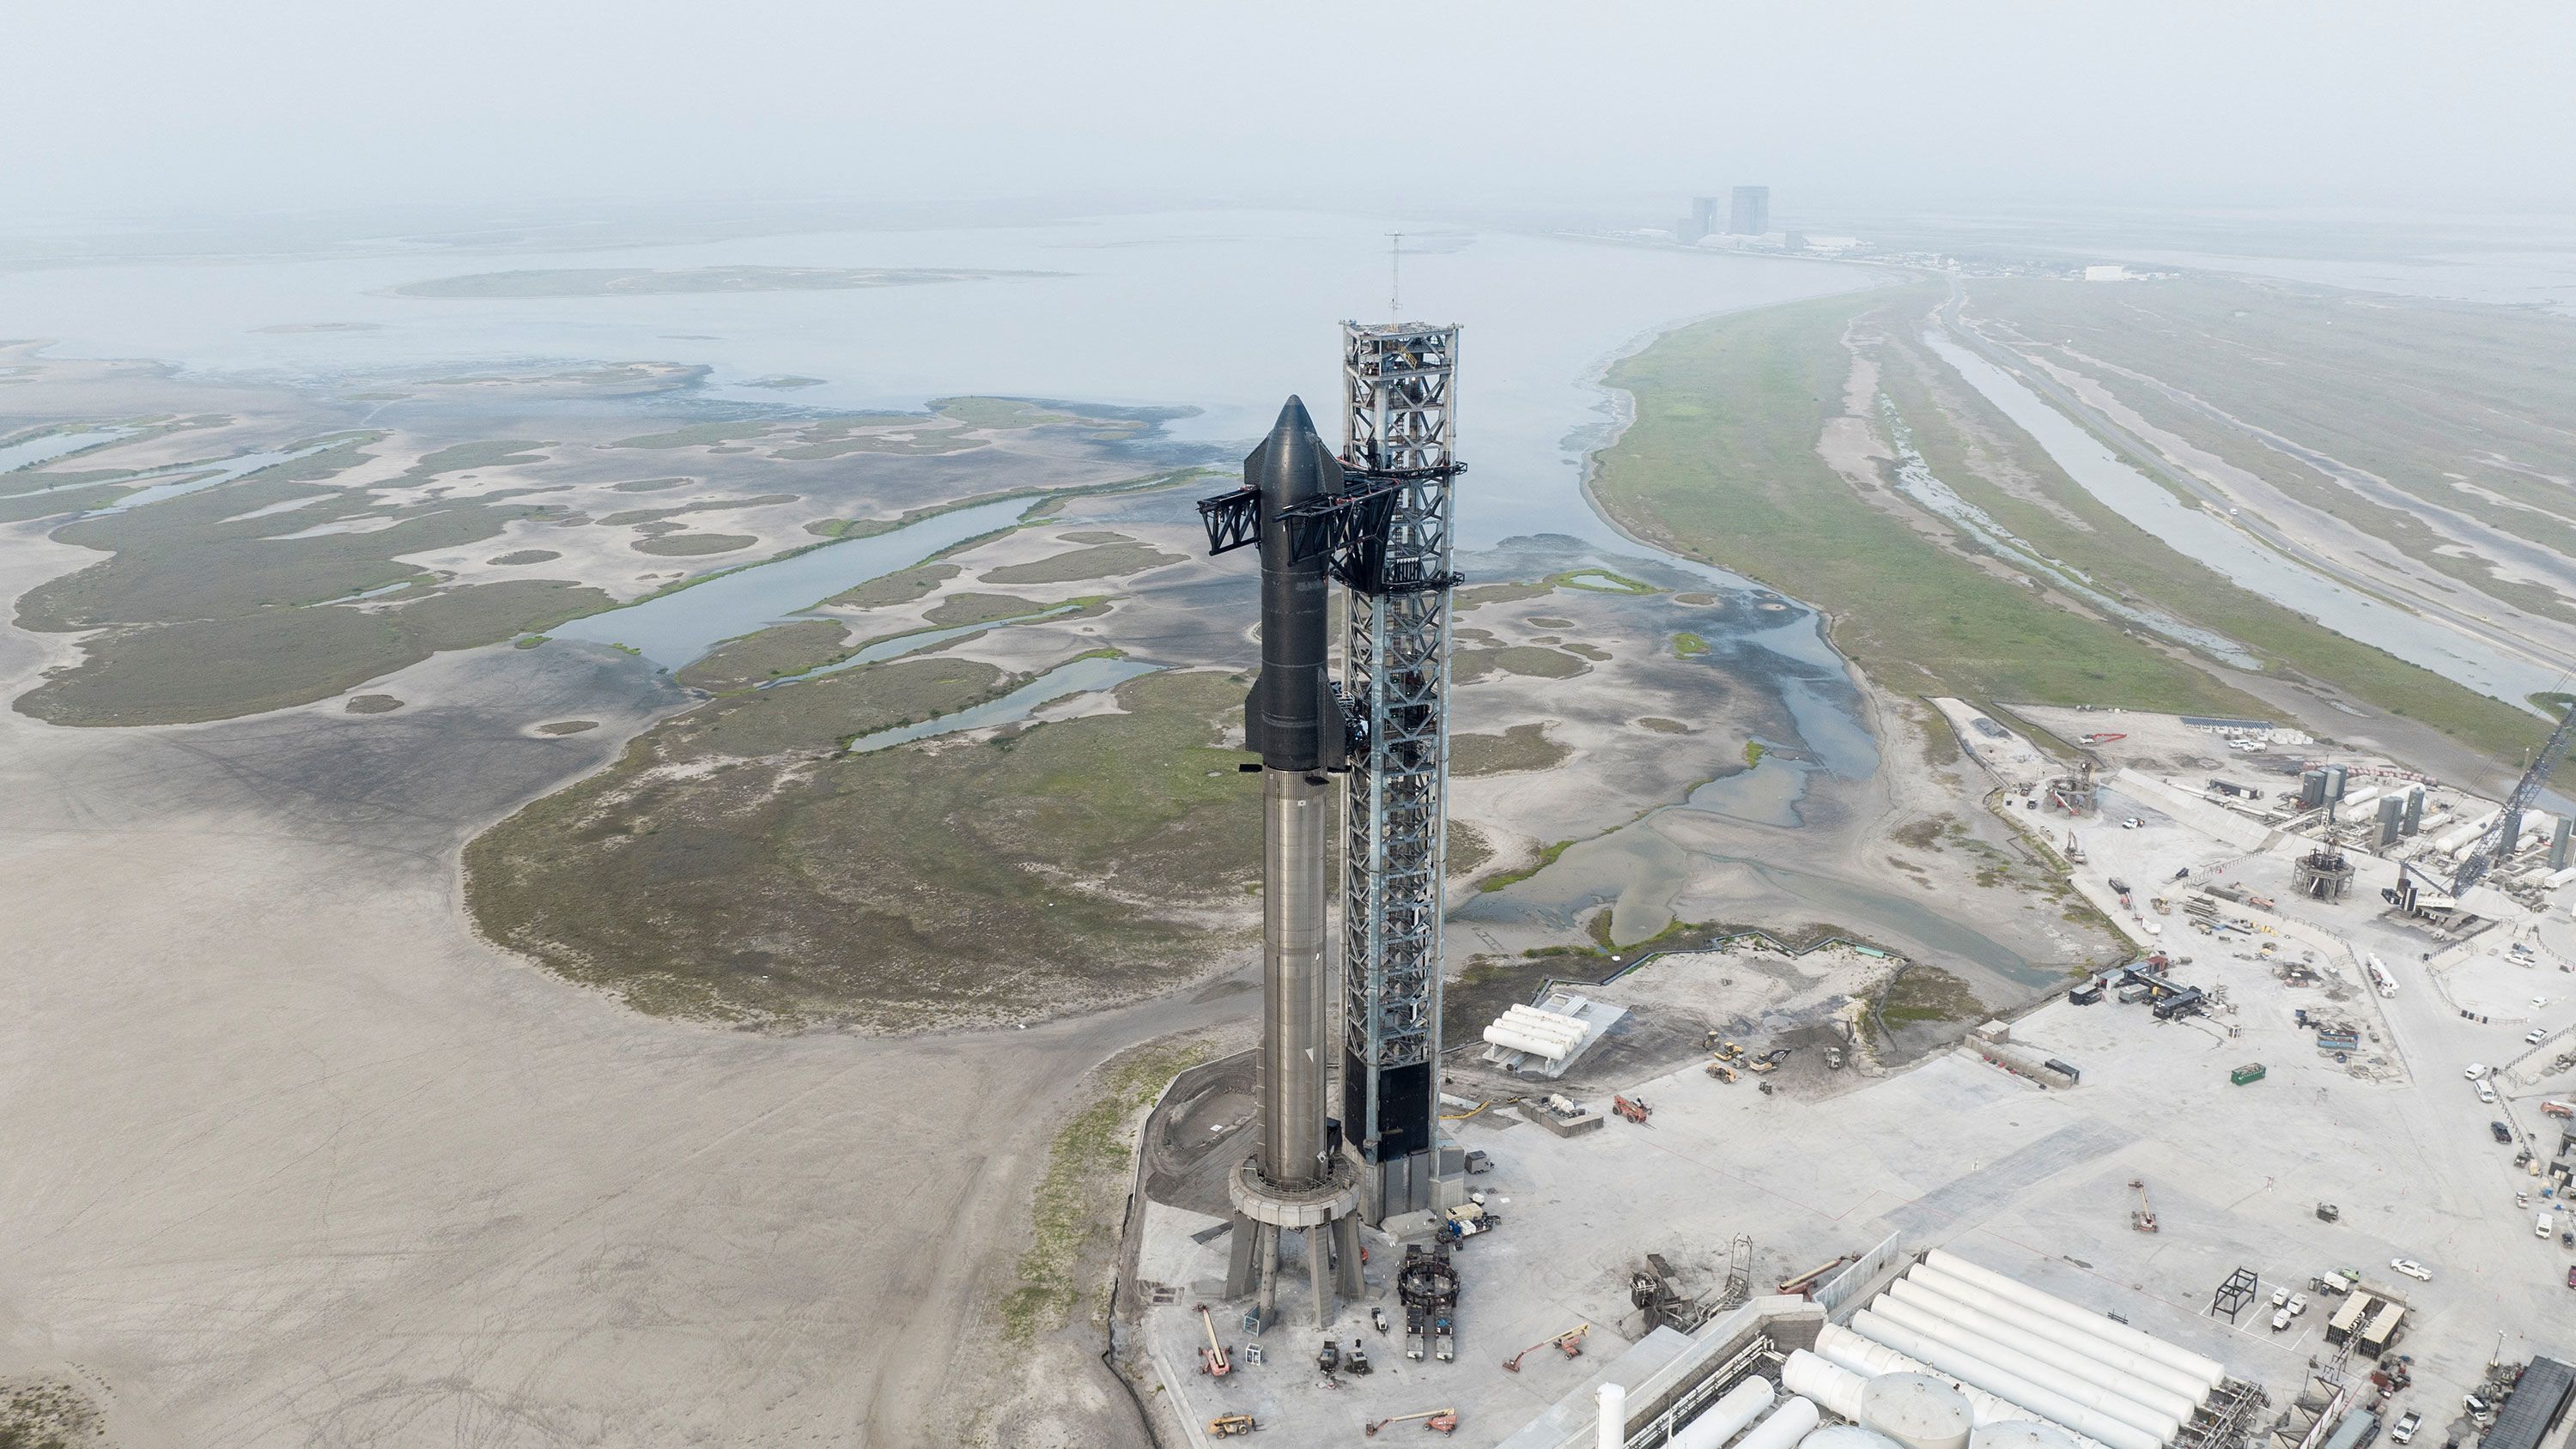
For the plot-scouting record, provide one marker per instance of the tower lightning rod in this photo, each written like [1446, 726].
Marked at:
[1394, 275]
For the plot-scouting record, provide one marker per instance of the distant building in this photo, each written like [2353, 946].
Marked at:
[1703, 218]
[1749, 211]
[2113, 273]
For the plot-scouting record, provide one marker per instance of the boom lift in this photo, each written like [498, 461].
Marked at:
[1569, 1343]
[1212, 1359]
[1438, 1421]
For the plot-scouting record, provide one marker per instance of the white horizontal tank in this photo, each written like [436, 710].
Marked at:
[2087, 1384]
[1836, 1389]
[1782, 1428]
[1845, 1349]
[1726, 1418]
[2020, 1434]
[2208, 1369]
[2131, 1374]
[1969, 1369]
[1849, 1436]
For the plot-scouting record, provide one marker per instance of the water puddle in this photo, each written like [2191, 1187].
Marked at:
[676, 629]
[1641, 870]
[380, 590]
[1080, 676]
[195, 478]
[902, 644]
[27, 453]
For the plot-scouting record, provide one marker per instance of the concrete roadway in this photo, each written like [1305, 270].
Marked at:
[293, 1159]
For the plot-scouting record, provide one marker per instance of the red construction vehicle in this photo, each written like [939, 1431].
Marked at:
[1569, 1343]
[1438, 1421]
[1632, 1108]
[1212, 1359]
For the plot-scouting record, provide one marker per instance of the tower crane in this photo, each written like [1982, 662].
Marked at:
[2500, 837]
[2411, 894]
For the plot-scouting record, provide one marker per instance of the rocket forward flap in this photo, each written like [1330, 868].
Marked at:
[1292, 719]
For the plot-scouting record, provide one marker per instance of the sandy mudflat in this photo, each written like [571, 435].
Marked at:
[293, 1159]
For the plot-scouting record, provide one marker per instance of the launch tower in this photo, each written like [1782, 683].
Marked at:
[1398, 455]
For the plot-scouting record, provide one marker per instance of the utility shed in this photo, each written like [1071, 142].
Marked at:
[2381, 1331]
[2348, 1317]
[2355, 1432]
[2533, 1407]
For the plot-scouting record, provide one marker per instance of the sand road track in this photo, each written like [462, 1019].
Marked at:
[293, 1159]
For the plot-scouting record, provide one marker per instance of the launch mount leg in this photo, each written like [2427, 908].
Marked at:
[1315, 1275]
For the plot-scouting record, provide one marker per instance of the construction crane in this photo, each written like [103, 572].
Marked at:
[1438, 1421]
[1569, 1343]
[2144, 1218]
[2499, 840]
[2419, 892]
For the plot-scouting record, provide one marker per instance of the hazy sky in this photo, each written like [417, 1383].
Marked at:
[120, 107]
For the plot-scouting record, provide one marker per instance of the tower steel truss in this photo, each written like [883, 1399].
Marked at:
[1398, 456]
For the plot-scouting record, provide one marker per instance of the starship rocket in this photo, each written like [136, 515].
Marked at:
[1293, 721]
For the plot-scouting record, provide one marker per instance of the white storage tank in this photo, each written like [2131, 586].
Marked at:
[1964, 1302]
[2088, 1384]
[1727, 1417]
[2020, 1434]
[1782, 1428]
[2207, 1369]
[1968, 1369]
[1842, 1348]
[1848, 1436]
[1836, 1389]
[1916, 1410]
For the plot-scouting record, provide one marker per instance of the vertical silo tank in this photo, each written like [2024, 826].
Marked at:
[1916, 1410]
[2207, 1369]
[1782, 1428]
[1848, 1436]
[1727, 1417]
[2020, 1434]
